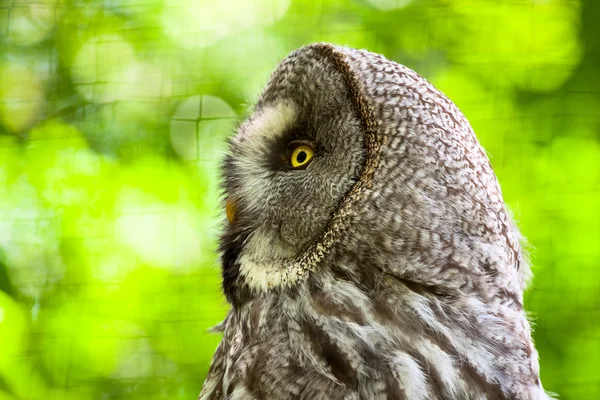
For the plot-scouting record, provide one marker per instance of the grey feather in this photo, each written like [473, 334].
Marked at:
[389, 268]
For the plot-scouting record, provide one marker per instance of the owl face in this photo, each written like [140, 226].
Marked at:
[289, 166]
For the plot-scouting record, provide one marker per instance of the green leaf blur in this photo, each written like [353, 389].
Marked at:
[113, 120]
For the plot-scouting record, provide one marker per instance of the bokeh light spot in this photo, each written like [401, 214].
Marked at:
[194, 125]
[30, 20]
[160, 233]
[100, 68]
[531, 45]
[21, 96]
[192, 23]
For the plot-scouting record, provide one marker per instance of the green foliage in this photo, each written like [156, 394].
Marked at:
[113, 119]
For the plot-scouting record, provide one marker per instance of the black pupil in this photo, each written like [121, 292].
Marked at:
[301, 157]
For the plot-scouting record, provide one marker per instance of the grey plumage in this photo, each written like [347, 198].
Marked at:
[390, 267]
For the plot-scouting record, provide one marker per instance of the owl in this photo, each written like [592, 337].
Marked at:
[368, 252]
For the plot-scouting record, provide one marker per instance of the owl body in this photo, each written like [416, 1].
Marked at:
[385, 267]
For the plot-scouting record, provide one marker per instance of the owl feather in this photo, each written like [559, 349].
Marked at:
[377, 262]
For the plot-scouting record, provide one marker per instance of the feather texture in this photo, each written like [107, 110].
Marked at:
[390, 268]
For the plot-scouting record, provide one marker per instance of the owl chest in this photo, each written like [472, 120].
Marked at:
[287, 352]
[299, 358]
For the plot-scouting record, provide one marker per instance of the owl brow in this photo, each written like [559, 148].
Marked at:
[295, 143]
[298, 132]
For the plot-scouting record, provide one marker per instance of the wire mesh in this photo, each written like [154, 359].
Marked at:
[113, 119]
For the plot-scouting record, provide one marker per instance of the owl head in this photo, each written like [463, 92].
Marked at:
[353, 164]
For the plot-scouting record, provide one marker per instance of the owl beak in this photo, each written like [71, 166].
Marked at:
[230, 210]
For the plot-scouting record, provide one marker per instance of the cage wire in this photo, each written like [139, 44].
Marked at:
[113, 120]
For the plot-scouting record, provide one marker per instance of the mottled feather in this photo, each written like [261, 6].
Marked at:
[389, 268]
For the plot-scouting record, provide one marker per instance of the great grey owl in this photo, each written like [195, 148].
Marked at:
[369, 253]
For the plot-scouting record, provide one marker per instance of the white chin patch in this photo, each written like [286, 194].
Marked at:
[265, 275]
[265, 263]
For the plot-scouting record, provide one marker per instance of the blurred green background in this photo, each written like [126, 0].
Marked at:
[113, 115]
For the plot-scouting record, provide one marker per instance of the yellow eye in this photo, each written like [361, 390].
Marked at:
[301, 156]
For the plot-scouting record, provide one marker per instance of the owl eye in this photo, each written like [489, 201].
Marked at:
[301, 156]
